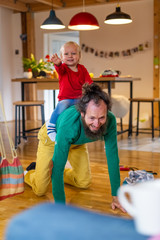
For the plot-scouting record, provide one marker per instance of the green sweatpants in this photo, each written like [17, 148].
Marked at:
[39, 179]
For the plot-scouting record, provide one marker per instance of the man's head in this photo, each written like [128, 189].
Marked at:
[93, 107]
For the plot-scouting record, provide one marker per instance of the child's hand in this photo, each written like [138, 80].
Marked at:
[56, 60]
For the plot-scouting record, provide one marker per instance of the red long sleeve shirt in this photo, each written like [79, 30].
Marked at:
[70, 82]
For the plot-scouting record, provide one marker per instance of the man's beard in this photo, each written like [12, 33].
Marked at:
[94, 135]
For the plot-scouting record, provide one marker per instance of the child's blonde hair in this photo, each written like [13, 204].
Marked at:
[70, 43]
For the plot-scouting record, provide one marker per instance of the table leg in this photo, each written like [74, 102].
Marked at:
[54, 99]
[23, 111]
[159, 117]
[109, 88]
[130, 110]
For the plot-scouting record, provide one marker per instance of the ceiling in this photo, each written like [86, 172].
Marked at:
[42, 5]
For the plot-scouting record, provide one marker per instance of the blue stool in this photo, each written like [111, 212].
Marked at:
[63, 222]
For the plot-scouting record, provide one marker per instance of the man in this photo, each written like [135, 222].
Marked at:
[89, 121]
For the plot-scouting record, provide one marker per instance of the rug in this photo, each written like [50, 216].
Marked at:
[145, 144]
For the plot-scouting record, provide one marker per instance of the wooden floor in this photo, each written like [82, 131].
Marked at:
[96, 198]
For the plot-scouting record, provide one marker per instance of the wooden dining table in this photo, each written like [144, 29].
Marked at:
[104, 82]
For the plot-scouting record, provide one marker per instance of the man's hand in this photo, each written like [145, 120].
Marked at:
[56, 60]
[115, 204]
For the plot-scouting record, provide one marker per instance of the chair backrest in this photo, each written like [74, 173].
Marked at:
[120, 105]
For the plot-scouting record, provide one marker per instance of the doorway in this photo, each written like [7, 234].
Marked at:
[52, 44]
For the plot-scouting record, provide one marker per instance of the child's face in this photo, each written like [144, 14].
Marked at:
[70, 55]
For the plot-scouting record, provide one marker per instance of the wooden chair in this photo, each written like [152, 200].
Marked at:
[20, 131]
[120, 107]
[147, 100]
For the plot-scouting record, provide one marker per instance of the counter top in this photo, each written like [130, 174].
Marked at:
[98, 79]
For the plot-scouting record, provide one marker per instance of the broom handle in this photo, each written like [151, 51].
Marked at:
[13, 150]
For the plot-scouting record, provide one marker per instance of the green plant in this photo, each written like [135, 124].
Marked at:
[36, 66]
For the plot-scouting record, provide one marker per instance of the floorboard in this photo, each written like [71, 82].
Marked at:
[96, 198]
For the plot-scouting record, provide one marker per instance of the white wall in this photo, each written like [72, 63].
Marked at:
[107, 38]
[9, 62]
[6, 60]
[115, 38]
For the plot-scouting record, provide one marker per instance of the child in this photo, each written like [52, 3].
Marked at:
[72, 76]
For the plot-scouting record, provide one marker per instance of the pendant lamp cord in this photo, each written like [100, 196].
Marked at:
[83, 6]
[118, 4]
[52, 4]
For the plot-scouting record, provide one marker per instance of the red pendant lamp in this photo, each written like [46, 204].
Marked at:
[83, 21]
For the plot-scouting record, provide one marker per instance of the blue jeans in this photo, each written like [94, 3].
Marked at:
[61, 106]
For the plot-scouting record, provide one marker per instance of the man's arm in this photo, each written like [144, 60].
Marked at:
[111, 149]
[60, 156]
[67, 131]
[113, 160]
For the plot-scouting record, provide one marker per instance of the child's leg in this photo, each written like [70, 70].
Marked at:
[61, 106]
